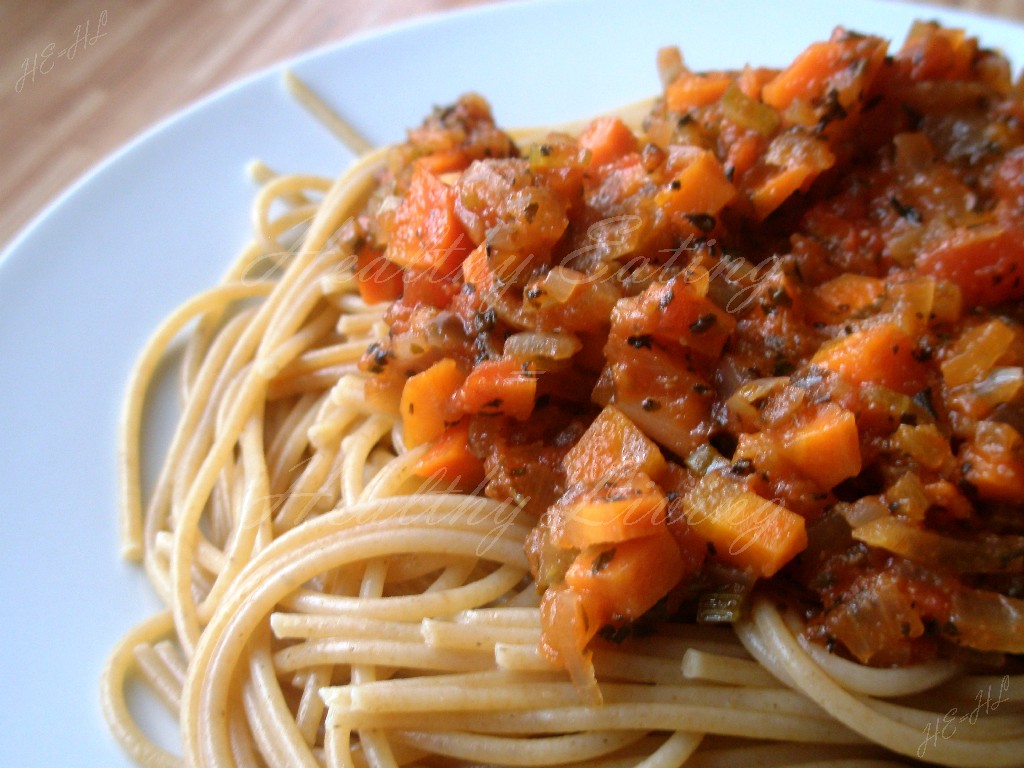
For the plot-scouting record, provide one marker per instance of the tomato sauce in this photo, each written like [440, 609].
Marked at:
[772, 339]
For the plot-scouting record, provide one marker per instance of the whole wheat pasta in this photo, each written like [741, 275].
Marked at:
[329, 602]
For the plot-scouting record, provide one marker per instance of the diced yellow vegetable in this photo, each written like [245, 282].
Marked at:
[976, 351]
[612, 446]
[744, 529]
[827, 448]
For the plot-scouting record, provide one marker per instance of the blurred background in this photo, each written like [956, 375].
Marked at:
[79, 78]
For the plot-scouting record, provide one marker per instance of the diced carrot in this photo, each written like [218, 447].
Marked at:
[676, 312]
[495, 387]
[691, 90]
[476, 271]
[444, 161]
[427, 234]
[987, 263]
[794, 161]
[618, 179]
[607, 139]
[842, 297]
[777, 189]
[807, 77]
[845, 64]
[427, 402]
[612, 445]
[449, 462]
[631, 577]
[993, 462]
[744, 152]
[560, 164]
[826, 448]
[882, 354]
[753, 79]
[745, 530]
[932, 52]
[615, 511]
[378, 279]
[691, 319]
[763, 449]
[658, 391]
[699, 186]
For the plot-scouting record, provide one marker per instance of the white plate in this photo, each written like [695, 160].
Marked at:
[81, 288]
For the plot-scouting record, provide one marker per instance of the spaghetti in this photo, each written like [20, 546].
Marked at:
[335, 596]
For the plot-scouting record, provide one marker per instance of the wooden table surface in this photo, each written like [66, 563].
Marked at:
[81, 77]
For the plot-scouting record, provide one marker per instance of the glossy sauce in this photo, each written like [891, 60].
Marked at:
[785, 313]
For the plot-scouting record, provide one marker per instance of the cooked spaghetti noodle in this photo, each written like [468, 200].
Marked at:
[327, 605]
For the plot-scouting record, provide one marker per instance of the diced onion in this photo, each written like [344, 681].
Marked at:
[988, 621]
[908, 497]
[735, 286]
[747, 112]
[994, 554]
[914, 300]
[949, 302]
[704, 458]
[389, 203]
[743, 402]
[409, 345]
[976, 352]
[923, 443]
[442, 328]
[863, 511]
[883, 682]
[875, 618]
[550, 346]
[670, 64]
[560, 283]
[905, 243]
[608, 239]
[758, 389]
[1000, 386]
